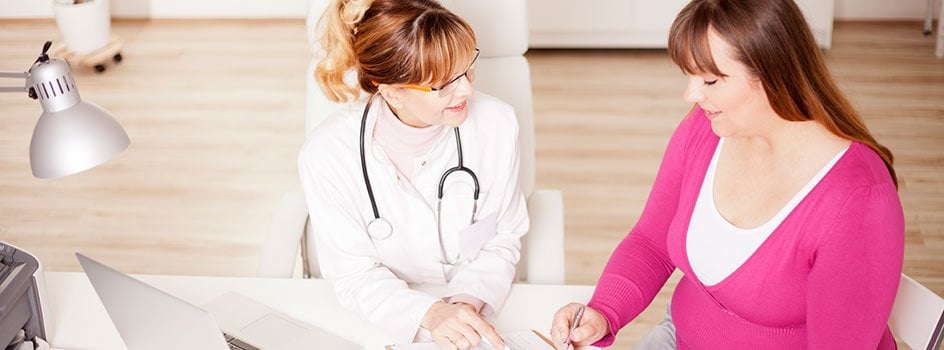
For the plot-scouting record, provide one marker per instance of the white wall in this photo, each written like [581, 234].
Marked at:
[845, 9]
[169, 8]
[884, 9]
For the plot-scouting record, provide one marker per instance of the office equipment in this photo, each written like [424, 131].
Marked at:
[71, 135]
[501, 29]
[21, 295]
[148, 318]
[917, 316]
[82, 322]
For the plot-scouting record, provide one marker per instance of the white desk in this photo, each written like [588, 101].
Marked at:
[77, 320]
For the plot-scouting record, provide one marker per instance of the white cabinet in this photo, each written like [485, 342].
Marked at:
[631, 23]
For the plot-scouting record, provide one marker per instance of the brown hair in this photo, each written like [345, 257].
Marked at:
[774, 42]
[390, 42]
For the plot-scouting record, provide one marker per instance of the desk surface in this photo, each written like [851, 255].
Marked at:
[77, 319]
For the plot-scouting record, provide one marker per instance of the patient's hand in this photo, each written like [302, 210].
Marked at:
[457, 326]
[593, 326]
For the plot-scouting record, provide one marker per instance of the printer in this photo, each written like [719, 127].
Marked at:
[22, 288]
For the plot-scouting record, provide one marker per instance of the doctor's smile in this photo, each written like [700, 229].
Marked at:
[458, 108]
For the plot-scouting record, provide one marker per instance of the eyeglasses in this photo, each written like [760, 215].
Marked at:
[451, 85]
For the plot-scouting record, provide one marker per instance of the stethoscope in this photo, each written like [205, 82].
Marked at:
[381, 229]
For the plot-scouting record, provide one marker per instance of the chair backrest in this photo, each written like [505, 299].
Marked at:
[501, 29]
[918, 315]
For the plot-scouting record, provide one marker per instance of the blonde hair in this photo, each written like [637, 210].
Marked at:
[772, 39]
[390, 42]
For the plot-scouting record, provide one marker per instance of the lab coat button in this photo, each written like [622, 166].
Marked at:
[423, 163]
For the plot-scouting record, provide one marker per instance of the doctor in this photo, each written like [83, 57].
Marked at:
[416, 181]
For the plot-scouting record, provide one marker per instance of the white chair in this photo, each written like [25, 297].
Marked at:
[502, 71]
[918, 315]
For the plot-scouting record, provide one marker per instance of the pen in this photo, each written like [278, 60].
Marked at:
[574, 323]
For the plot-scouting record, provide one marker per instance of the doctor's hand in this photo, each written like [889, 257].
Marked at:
[458, 326]
[591, 327]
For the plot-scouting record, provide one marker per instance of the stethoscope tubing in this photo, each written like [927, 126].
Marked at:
[370, 192]
[378, 223]
[460, 167]
[378, 220]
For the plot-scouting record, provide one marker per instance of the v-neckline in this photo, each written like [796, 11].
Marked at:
[775, 233]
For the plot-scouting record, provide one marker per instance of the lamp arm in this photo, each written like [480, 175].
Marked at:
[21, 75]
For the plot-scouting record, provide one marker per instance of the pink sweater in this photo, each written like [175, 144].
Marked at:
[826, 278]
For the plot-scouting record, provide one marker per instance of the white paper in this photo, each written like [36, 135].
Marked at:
[525, 340]
[417, 346]
[518, 340]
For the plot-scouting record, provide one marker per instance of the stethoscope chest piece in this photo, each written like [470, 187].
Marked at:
[379, 228]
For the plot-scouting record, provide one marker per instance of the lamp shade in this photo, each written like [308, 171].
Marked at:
[74, 140]
[71, 135]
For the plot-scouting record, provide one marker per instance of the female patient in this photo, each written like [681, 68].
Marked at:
[773, 199]
[416, 182]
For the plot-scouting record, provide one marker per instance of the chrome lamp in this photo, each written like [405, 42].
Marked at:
[71, 135]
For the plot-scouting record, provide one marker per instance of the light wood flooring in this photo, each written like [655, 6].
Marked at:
[215, 111]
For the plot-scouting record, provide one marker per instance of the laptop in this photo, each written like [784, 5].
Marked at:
[148, 318]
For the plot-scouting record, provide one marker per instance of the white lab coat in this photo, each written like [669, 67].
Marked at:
[373, 277]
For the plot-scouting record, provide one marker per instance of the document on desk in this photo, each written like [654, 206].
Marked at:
[518, 340]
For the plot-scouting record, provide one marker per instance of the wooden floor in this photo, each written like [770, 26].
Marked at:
[215, 111]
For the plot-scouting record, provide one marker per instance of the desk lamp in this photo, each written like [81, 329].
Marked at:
[71, 135]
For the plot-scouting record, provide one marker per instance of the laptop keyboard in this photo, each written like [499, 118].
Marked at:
[236, 344]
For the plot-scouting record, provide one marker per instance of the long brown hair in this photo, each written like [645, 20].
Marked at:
[774, 42]
[390, 42]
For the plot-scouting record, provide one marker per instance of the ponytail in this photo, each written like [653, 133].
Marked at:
[337, 42]
[390, 42]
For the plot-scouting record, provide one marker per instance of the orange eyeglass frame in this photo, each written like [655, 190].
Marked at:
[431, 89]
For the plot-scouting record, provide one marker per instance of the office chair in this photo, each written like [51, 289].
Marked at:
[917, 316]
[502, 71]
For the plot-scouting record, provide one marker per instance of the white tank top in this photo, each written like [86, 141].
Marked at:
[716, 248]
